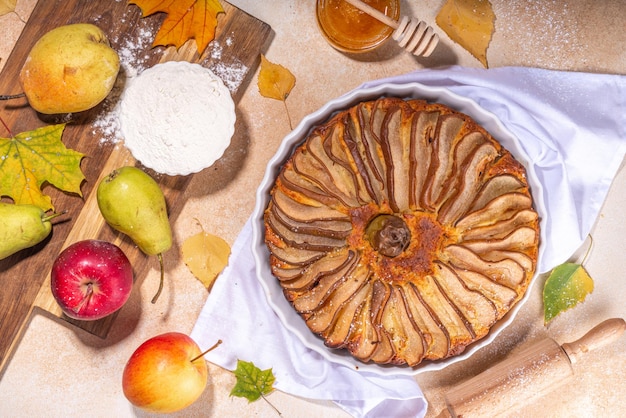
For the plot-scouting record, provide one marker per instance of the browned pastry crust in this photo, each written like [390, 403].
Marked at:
[402, 231]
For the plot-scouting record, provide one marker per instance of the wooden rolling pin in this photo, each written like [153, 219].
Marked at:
[524, 377]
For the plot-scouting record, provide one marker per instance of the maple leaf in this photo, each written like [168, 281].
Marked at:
[30, 159]
[186, 19]
[470, 23]
[275, 82]
[252, 382]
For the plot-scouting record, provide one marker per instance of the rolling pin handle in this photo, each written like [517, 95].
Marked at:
[599, 336]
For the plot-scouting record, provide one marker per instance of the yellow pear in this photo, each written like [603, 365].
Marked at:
[71, 68]
[22, 226]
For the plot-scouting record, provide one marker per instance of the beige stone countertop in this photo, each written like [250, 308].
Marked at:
[60, 371]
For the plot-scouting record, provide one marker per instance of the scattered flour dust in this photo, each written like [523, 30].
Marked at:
[177, 118]
[133, 59]
[134, 53]
[549, 38]
[232, 72]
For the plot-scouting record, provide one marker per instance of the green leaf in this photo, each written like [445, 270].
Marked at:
[567, 286]
[252, 382]
[30, 159]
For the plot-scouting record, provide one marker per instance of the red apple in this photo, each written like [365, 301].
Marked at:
[91, 279]
[165, 374]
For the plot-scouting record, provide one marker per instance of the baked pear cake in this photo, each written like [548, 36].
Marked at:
[401, 231]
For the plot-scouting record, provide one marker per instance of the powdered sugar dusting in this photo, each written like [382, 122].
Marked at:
[547, 39]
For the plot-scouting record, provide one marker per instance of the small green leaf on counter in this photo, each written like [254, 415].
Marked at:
[252, 382]
[567, 286]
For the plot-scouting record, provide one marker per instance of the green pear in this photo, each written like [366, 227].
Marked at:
[71, 68]
[22, 226]
[132, 202]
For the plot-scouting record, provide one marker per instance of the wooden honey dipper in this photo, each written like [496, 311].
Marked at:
[412, 34]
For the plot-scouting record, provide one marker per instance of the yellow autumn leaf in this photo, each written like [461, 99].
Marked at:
[7, 6]
[205, 255]
[566, 286]
[470, 23]
[275, 81]
[30, 159]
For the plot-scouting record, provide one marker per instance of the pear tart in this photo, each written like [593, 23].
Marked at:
[401, 231]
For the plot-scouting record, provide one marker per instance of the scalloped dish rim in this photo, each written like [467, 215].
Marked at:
[273, 292]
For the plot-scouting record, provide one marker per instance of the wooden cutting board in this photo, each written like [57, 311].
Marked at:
[24, 277]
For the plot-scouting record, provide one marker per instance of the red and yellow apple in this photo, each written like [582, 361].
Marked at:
[165, 374]
[91, 279]
[71, 68]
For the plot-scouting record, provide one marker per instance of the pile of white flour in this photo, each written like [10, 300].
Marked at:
[177, 118]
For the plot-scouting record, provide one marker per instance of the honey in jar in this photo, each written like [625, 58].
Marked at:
[350, 30]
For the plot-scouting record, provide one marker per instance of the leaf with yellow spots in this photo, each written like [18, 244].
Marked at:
[275, 82]
[205, 255]
[470, 23]
[30, 159]
[252, 382]
[567, 286]
[186, 19]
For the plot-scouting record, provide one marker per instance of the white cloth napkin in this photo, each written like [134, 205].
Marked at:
[572, 125]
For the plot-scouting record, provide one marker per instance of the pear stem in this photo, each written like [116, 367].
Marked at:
[158, 293]
[206, 351]
[52, 216]
[11, 96]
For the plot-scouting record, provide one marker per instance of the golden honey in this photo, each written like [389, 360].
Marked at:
[350, 30]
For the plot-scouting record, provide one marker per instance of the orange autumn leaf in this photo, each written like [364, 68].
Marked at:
[186, 19]
[470, 23]
[275, 82]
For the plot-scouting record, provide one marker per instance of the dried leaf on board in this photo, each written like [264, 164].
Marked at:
[186, 19]
[30, 159]
[470, 23]
[566, 286]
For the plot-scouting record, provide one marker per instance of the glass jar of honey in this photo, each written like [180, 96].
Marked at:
[350, 30]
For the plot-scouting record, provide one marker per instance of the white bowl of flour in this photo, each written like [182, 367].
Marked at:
[177, 118]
